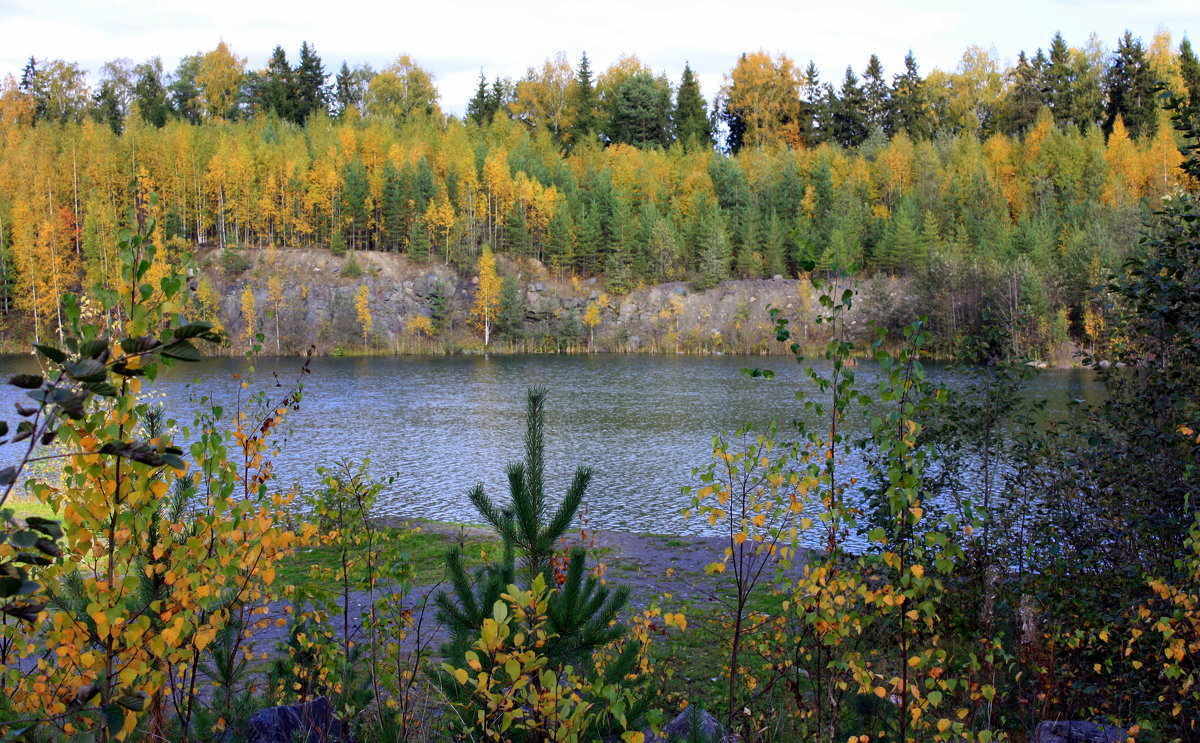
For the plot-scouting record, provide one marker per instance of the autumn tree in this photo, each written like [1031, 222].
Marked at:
[218, 80]
[362, 308]
[760, 102]
[402, 90]
[487, 294]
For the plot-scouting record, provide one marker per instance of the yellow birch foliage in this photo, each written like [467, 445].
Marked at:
[487, 294]
[153, 585]
[362, 307]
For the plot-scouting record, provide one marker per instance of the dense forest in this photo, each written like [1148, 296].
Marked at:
[1006, 194]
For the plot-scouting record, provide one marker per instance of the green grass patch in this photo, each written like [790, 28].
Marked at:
[422, 553]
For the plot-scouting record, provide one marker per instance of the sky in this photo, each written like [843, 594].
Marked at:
[455, 39]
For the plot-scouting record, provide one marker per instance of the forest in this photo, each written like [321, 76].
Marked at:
[1004, 195]
[997, 570]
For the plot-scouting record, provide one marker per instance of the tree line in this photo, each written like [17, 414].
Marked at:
[1000, 191]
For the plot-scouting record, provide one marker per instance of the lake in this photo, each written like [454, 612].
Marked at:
[443, 424]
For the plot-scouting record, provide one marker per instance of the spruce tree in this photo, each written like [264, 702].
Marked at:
[849, 119]
[310, 94]
[1058, 80]
[1189, 69]
[1025, 96]
[876, 95]
[276, 87]
[693, 128]
[585, 106]
[149, 93]
[908, 112]
[477, 107]
[812, 94]
[1130, 88]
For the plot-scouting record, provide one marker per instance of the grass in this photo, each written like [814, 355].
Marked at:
[423, 553]
[25, 505]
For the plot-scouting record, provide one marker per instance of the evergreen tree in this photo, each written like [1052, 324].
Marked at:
[775, 247]
[641, 112]
[1189, 69]
[1058, 81]
[419, 246]
[393, 208]
[478, 106]
[714, 255]
[527, 523]
[350, 88]
[581, 615]
[1130, 88]
[812, 94]
[909, 110]
[516, 232]
[356, 189]
[693, 128]
[310, 92]
[185, 93]
[560, 240]
[149, 93]
[876, 95]
[585, 106]
[849, 120]
[510, 320]
[276, 88]
[1024, 97]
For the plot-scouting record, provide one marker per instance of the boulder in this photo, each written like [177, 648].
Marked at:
[1077, 731]
[680, 728]
[311, 722]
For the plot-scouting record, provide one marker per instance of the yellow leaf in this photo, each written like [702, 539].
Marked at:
[918, 570]
[739, 538]
[942, 725]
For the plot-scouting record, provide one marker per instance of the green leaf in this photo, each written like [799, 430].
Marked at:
[8, 475]
[192, 330]
[114, 716]
[51, 353]
[87, 370]
[182, 350]
[104, 389]
[93, 349]
[26, 381]
[138, 344]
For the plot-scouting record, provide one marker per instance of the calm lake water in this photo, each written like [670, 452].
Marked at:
[443, 424]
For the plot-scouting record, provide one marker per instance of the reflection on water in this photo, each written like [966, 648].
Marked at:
[443, 424]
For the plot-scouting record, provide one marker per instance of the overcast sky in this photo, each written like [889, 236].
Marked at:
[453, 39]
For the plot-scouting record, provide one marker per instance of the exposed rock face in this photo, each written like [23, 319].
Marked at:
[1076, 731]
[313, 300]
[311, 722]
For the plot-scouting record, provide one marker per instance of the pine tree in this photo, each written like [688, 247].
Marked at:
[693, 128]
[516, 232]
[527, 523]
